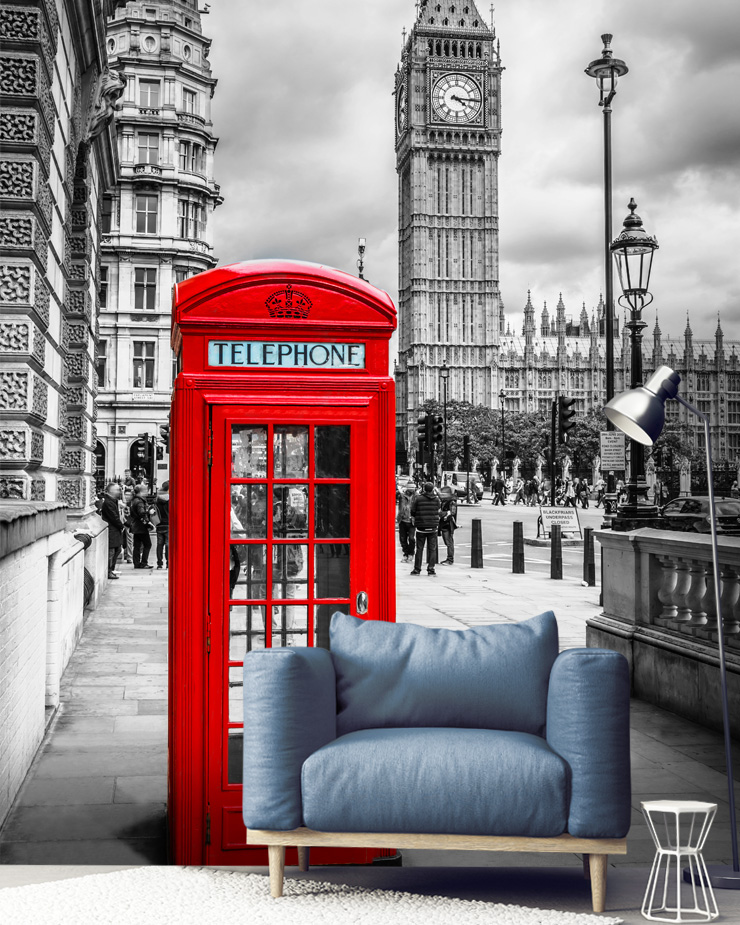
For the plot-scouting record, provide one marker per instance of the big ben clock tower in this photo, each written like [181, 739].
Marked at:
[448, 132]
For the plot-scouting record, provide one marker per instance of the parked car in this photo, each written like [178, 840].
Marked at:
[692, 515]
[458, 480]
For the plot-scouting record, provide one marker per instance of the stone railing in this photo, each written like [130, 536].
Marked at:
[659, 610]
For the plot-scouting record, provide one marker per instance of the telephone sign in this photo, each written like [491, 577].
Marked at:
[283, 492]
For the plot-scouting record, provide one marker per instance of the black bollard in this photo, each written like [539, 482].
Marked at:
[476, 548]
[589, 563]
[556, 553]
[517, 558]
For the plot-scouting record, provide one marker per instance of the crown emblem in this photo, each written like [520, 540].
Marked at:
[288, 303]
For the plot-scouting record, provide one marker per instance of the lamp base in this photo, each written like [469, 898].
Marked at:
[721, 877]
[635, 516]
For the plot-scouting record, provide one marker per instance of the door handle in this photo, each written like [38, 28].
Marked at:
[362, 603]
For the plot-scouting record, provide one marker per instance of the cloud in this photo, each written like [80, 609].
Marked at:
[306, 163]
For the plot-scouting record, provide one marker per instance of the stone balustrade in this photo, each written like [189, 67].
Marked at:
[659, 610]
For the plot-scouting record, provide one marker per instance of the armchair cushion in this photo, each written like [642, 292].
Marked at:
[403, 675]
[432, 780]
[289, 712]
[588, 724]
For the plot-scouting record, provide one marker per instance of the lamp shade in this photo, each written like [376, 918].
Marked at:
[640, 412]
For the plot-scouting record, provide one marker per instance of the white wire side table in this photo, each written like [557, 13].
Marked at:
[679, 829]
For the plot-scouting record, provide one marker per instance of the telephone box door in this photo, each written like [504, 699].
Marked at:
[294, 508]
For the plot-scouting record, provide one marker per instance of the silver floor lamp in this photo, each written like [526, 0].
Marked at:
[640, 414]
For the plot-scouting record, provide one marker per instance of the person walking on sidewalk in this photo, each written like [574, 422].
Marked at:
[110, 513]
[448, 522]
[499, 491]
[128, 539]
[163, 527]
[406, 529]
[140, 528]
[425, 517]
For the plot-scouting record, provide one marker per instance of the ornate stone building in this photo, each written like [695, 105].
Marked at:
[554, 354]
[57, 96]
[448, 132]
[157, 223]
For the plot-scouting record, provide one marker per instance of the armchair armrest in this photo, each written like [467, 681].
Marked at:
[588, 726]
[290, 711]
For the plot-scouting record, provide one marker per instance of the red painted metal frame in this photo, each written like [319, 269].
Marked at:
[232, 303]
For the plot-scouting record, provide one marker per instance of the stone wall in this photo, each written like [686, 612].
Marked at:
[660, 613]
[42, 587]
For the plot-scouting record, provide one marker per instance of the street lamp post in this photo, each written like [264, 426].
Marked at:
[361, 244]
[444, 375]
[607, 70]
[501, 397]
[633, 252]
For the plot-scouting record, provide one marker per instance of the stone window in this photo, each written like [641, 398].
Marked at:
[191, 157]
[145, 289]
[103, 287]
[143, 364]
[191, 219]
[106, 215]
[146, 214]
[189, 101]
[148, 148]
[733, 412]
[101, 364]
[149, 94]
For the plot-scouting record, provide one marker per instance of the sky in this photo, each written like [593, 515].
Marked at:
[305, 115]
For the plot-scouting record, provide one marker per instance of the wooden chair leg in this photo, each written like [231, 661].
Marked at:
[586, 868]
[303, 857]
[276, 857]
[597, 866]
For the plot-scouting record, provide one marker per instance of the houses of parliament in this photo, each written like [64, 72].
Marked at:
[448, 143]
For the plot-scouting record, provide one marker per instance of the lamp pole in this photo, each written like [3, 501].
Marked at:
[361, 244]
[501, 397]
[444, 374]
[607, 70]
[633, 252]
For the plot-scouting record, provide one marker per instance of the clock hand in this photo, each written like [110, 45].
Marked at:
[463, 99]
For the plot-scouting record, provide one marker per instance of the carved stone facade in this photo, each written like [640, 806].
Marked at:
[57, 93]
[157, 224]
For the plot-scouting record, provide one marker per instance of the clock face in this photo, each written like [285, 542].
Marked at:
[401, 106]
[456, 98]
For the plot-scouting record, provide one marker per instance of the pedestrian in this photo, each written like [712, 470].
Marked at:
[128, 481]
[600, 489]
[128, 537]
[448, 522]
[735, 490]
[162, 505]
[519, 491]
[499, 491]
[112, 516]
[406, 529]
[425, 517]
[140, 528]
[582, 493]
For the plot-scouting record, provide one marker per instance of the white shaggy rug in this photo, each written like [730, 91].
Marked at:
[196, 895]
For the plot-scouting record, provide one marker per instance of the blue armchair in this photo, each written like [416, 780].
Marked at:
[482, 739]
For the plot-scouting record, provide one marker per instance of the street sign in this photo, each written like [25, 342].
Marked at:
[612, 451]
[564, 517]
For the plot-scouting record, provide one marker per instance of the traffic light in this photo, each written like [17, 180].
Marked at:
[564, 416]
[421, 430]
[466, 452]
[164, 434]
[438, 429]
[160, 453]
[429, 428]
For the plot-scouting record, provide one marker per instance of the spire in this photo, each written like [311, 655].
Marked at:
[688, 333]
[583, 322]
[719, 332]
[458, 14]
[656, 330]
[544, 321]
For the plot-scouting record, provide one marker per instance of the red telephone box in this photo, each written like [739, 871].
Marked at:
[282, 509]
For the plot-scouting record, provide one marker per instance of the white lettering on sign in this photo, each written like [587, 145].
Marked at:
[285, 354]
[564, 517]
[612, 451]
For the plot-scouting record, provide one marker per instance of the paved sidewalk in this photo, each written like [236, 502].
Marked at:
[96, 793]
